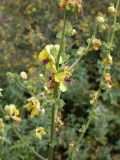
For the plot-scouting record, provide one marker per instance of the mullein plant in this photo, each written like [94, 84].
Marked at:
[55, 61]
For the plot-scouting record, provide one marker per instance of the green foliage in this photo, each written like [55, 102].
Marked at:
[27, 26]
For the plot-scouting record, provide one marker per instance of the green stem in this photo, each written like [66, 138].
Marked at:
[99, 91]
[27, 145]
[83, 133]
[52, 134]
[56, 92]
[61, 50]
[86, 126]
[115, 20]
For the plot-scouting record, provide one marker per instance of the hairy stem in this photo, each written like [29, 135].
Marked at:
[52, 134]
[61, 50]
[56, 92]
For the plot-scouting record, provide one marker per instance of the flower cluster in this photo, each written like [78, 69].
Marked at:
[96, 43]
[12, 112]
[48, 58]
[71, 5]
[30, 9]
[100, 19]
[106, 64]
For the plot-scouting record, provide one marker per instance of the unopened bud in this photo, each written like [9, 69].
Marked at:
[100, 19]
[23, 75]
[111, 9]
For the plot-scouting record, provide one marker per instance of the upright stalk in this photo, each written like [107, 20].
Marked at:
[61, 50]
[115, 20]
[56, 93]
[86, 127]
[52, 132]
[99, 91]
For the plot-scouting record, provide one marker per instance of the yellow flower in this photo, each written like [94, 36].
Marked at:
[33, 106]
[48, 56]
[59, 77]
[62, 78]
[40, 132]
[107, 61]
[1, 125]
[13, 112]
[48, 60]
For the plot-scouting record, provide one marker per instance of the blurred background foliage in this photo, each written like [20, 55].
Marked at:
[26, 27]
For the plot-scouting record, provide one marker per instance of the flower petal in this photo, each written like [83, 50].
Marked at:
[59, 77]
[63, 87]
[43, 55]
[18, 119]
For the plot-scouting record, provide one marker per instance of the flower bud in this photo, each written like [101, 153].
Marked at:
[100, 19]
[74, 32]
[101, 28]
[7, 118]
[42, 111]
[23, 75]
[107, 61]
[41, 75]
[111, 9]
